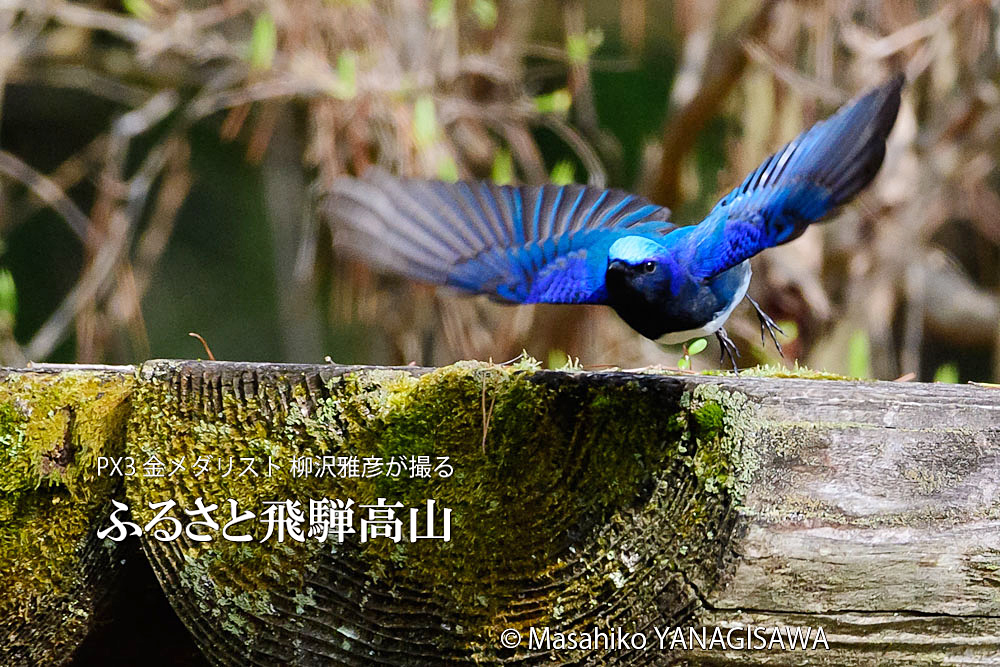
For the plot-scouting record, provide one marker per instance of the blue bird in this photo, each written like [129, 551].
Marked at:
[577, 244]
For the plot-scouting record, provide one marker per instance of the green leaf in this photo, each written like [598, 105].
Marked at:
[347, 75]
[683, 363]
[577, 49]
[442, 13]
[697, 347]
[425, 128]
[8, 294]
[858, 355]
[947, 373]
[558, 101]
[580, 47]
[503, 167]
[139, 9]
[485, 12]
[563, 173]
[447, 170]
[791, 329]
[263, 42]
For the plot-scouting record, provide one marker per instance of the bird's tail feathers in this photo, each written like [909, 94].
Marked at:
[369, 226]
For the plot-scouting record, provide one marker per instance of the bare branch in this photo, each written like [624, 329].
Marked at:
[596, 175]
[46, 190]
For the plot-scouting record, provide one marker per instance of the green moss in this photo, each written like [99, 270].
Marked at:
[709, 419]
[725, 429]
[539, 461]
[565, 486]
[653, 555]
[778, 371]
[506, 466]
[52, 429]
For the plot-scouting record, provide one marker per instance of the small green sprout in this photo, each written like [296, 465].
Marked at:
[525, 362]
[8, 296]
[558, 101]
[139, 9]
[442, 13]
[947, 373]
[447, 170]
[559, 360]
[485, 12]
[579, 47]
[697, 346]
[859, 355]
[347, 75]
[425, 125]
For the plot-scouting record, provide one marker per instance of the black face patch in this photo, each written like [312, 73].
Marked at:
[646, 302]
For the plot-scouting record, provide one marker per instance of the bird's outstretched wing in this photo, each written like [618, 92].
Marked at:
[819, 170]
[524, 244]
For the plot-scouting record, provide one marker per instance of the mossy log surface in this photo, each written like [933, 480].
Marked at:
[579, 500]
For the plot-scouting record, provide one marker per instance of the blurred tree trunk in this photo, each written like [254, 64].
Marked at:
[289, 207]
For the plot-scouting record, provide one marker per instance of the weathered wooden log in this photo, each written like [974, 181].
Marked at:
[53, 569]
[696, 513]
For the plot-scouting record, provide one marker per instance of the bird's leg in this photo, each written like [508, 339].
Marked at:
[766, 323]
[727, 346]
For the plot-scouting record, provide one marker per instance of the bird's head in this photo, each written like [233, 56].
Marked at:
[637, 265]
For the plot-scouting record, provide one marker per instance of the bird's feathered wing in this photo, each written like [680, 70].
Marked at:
[818, 171]
[524, 244]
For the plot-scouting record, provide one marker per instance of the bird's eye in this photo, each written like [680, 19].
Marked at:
[649, 267]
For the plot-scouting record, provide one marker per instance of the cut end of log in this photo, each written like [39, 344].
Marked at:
[566, 490]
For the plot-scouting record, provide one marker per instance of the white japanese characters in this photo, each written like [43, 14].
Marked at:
[345, 467]
[286, 520]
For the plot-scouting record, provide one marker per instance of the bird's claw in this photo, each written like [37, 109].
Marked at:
[767, 324]
[727, 347]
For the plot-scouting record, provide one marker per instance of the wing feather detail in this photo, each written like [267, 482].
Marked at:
[524, 244]
[811, 176]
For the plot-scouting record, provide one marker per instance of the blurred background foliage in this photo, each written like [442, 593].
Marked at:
[163, 167]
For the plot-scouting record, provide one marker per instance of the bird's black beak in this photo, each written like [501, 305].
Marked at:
[619, 267]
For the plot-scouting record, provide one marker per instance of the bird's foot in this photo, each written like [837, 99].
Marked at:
[769, 325]
[727, 347]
